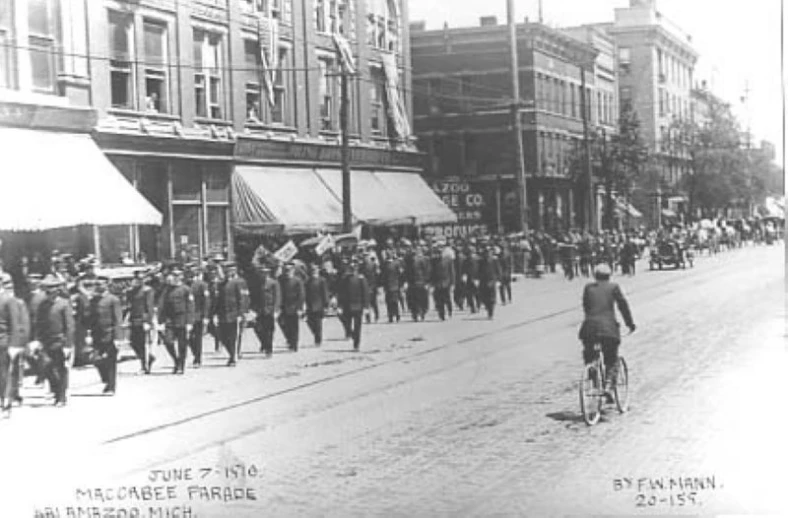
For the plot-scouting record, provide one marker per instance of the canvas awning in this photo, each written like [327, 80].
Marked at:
[415, 199]
[370, 200]
[292, 200]
[53, 180]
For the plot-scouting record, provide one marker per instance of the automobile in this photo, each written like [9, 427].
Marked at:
[670, 253]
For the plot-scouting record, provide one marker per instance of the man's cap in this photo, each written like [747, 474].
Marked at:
[217, 257]
[50, 281]
[602, 270]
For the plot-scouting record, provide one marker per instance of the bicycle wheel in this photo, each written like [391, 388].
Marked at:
[621, 386]
[591, 394]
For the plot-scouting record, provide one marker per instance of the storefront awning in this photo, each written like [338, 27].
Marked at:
[292, 200]
[414, 198]
[370, 200]
[53, 180]
[626, 208]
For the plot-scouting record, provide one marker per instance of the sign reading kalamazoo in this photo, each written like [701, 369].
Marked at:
[320, 153]
[467, 201]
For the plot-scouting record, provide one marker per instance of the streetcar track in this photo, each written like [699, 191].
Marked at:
[409, 357]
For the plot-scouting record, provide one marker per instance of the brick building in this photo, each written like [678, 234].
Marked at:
[200, 100]
[462, 117]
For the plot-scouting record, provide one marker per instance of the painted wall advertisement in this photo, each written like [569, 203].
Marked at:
[470, 203]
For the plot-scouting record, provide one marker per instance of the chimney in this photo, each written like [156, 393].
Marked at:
[418, 26]
[488, 21]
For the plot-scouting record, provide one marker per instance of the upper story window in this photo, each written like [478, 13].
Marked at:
[281, 10]
[377, 98]
[383, 24]
[122, 56]
[43, 28]
[326, 84]
[7, 79]
[252, 81]
[208, 74]
[157, 78]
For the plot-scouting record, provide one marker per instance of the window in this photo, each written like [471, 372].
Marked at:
[6, 56]
[376, 99]
[383, 24]
[251, 73]
[572, 100]
[321, 13]
[122, 81]
[661, 102]
[281, 109]
[624, 56]
[339, 17]
[156, 69]
[281, 10]
[326, 95]
[41, 40]
[208, 87]
[660, 62]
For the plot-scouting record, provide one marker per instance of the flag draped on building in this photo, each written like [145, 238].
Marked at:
[268, 39]
[344, 51]
[396, 104]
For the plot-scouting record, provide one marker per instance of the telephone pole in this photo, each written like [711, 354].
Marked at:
[347, 214]
[584, 103]
[522, 192]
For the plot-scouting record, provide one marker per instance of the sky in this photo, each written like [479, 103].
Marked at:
[739, 43]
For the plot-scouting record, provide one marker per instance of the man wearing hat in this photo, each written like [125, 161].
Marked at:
[267, 309]
[489, 278]
[105, 319]
[54, 329]
[442, 280]
[418, 277]
[176, 315]
[507, 269]
[391, 279]
[232, 302]
[353, 299]
[470, 275]
[599, 325]
[316, 298]
[202, 310]
[292, 305]
[141, 310]
[10, 339]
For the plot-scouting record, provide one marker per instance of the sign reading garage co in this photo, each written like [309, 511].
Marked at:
[467, 202]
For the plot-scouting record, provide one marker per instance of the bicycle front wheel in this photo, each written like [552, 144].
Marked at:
[591, 394]
[621, 386]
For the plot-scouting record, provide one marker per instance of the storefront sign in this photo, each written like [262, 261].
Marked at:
[38, 116]
[468, 202]
[307, 152]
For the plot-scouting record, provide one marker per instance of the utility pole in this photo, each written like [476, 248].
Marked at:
[591, 221]
[347, 214]
[522, 192]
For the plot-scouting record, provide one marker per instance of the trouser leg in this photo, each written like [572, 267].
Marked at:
[356, 328]
[265, 329]
[5, 377]
[292, 324]
[137, 342]
[392, 305]
[315, 321]
[169, 344]
[183, 346]
[107, 365]
[195, 342]
[373, 302]
[229, 335]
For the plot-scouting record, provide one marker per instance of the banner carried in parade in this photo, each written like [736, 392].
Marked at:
[326, 244]
[287, 252]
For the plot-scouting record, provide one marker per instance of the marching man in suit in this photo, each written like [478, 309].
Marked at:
[353, 298]
[176, 315]
[267, 310]
[105, 318]
[231, 304]
[292, 305]
[317, 299]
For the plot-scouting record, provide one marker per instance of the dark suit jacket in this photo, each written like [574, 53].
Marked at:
[177, 307]
[316, 295]
[141, 306]
[489, 271]
[9, 321]
[105, 318]
[202, 299]
[232, 300]
[470, 266]
[292, 295]
[442, 272]
[599, 301]
[270, 299]
[420, 271]
[353, 295]
[55, 323]
[391, 276]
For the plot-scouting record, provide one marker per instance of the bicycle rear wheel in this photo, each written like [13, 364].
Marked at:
[591, 394]
[621, 386]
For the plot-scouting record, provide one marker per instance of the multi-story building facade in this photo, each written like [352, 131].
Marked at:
[195, 96]
[463, 119]
[656, 70]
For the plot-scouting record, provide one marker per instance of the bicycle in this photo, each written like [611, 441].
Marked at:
[592, 387]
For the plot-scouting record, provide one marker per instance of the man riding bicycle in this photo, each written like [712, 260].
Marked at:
[600, 325]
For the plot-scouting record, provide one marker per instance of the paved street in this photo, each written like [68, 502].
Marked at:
[465, 418]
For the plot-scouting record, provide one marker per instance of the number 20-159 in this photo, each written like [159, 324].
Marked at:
[678, 500]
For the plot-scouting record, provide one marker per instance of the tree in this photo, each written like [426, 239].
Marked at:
[617, 161]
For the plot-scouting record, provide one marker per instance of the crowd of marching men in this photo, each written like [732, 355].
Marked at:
[68, 315]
